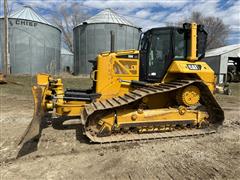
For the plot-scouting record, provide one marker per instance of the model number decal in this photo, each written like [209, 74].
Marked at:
[194, 66]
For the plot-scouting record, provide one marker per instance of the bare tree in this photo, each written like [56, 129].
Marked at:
[66, 18]
[216, 29]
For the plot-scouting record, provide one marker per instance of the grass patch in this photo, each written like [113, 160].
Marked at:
[21, 85]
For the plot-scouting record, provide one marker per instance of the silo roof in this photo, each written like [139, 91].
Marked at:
[108, 16]
[28, 13]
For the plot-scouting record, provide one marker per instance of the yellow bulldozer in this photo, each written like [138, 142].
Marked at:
[162, 90]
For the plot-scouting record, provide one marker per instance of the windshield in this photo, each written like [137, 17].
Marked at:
[143, 42]
[159, 52]
[180, 45]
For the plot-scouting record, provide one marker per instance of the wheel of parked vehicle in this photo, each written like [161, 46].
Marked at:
[230, 77]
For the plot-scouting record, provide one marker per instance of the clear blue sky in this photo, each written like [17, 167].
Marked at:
[148, 13]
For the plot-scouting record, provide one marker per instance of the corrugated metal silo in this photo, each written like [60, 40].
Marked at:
[34, 43]
[66, 62]
[93, 36]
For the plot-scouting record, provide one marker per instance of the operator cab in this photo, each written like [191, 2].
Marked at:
[160, 46]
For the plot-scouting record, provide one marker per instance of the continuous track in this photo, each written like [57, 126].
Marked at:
[216, 114]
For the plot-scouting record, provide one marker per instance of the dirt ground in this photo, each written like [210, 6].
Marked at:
[65, 154]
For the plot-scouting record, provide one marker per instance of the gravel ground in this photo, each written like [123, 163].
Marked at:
[63, 154]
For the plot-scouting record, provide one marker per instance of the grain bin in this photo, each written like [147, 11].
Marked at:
[34, 43]
[66, 62]
[93, 36]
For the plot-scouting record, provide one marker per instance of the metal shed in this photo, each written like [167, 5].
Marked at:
[218, 59]
[66, 63]
[93, 37]
[34, 43]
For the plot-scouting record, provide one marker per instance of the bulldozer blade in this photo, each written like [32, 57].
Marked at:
[33, 131]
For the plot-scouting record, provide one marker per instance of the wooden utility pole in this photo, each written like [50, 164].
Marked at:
[6, 55]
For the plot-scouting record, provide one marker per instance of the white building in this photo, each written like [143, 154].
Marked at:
[218, 59]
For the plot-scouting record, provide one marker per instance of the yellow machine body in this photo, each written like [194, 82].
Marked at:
[112, 69]
[180, 69]
[112, 85]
